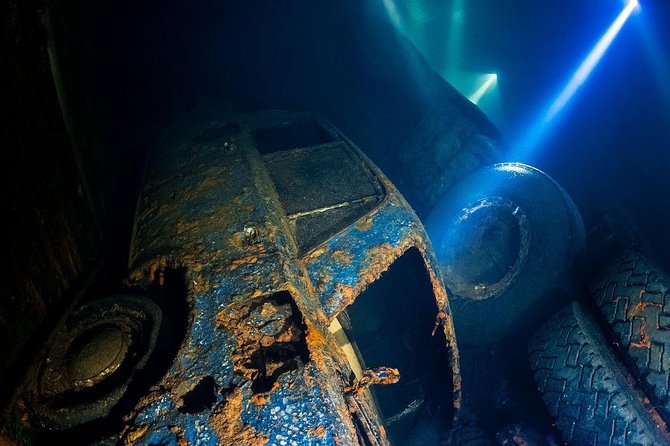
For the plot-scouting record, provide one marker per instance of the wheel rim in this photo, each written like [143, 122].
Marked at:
[484, 247]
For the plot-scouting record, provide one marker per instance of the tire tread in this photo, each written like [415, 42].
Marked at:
[590, 395]
[634, 297]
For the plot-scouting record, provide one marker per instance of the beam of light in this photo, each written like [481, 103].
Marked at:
[489, 82]
[591, 61]
[578, 78]
[453, 62]
[392, 11]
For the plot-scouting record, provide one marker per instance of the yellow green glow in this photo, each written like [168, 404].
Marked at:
[490, 81]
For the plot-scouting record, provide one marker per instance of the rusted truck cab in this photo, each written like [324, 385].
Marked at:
[307, 282]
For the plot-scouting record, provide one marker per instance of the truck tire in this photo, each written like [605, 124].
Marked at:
[633, 296]
[593, 397]
[510, 243]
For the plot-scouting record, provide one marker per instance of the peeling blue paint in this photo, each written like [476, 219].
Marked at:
[202, 231]
[392, 224]
[295, 408]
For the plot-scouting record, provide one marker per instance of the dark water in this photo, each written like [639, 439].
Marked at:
[612, 142]
[154, 59]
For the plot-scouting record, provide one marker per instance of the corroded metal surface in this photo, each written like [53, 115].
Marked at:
[258, 328]
[255, 363]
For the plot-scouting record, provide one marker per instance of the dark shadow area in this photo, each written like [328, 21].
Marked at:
[282, 346]
[298, 134]
[202, 397]
[219, 132]
[390, 324]
[171, 298]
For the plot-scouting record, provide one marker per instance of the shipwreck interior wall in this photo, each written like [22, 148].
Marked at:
[54, 207]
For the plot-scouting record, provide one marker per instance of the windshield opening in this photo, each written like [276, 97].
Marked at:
[390, 324]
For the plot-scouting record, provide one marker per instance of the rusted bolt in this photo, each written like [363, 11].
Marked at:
[374, 376]
[250, 235]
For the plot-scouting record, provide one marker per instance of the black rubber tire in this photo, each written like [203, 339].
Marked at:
[592, 396]
[504, 283]
[60, 410]
[633, 295]
[466, 432]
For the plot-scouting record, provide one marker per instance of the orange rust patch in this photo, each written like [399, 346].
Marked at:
[318, 252]
[645, 342]
[259, 399]
[636, 309]
[341, 257]
[321, 348]
[347, 292]
[640, 307]
[377, 260]
[238, 241]
[380, 257]
[384, 253]
[438, 288]
[181, 439]
[227, 423]
[440, 319]
[291, 334]
[234, 264]
[364, 224]
[382, 431]
[135, 434]
[236, 317]
[319, 431]
[315, 339]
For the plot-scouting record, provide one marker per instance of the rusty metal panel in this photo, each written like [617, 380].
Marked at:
[256, 362]
[205, 195]
[236, 247]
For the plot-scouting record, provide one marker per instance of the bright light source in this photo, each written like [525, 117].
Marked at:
[590, 62]
[392, 11]
[577, 80]
[490, 80]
